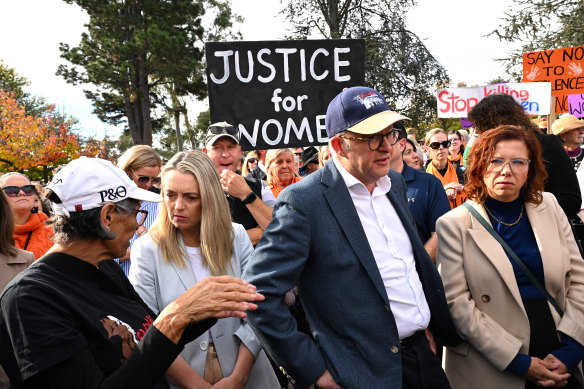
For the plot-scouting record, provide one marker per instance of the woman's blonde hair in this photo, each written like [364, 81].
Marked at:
[245, 170]
[215, 233]
[139, 156]
[271, 156]
[431, 133]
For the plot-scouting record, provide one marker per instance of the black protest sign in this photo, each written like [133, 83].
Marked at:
[277, 92]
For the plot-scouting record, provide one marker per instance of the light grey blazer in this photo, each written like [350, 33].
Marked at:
[159, 283]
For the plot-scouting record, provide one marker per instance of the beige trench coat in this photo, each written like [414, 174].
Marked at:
[483, 296]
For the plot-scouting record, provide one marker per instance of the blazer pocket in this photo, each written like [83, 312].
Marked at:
[461, 349]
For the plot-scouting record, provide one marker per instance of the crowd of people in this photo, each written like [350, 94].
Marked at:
[349, 265]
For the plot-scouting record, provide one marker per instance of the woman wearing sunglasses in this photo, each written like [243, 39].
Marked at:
[520, 308]
[456, 149]
[193, 239]
[451, 176]
[250, 162]
[30, 231]
[142, 164]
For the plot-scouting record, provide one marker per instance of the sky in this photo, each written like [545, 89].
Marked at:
[31, 30]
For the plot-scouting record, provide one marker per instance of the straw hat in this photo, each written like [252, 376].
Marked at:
[566, 123]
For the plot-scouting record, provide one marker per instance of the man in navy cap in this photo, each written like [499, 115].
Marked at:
[345, 236]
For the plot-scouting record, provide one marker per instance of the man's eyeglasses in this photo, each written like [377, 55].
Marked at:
[252, 160]
[436, 145]
[375, 141]
[13, 191]
[314, 161]
[517, 165]
[144, 180]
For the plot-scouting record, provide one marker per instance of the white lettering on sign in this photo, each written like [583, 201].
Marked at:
[290, 57]
[272, 131]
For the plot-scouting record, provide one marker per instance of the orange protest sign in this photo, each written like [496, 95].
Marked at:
[564, 68]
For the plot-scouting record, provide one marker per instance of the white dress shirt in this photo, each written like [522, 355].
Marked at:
[392, 249]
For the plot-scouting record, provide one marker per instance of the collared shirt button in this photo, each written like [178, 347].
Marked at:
[486, 298]
[203, 345]
[394, 349]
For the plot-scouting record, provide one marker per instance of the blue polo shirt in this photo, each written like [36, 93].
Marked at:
[426, 198]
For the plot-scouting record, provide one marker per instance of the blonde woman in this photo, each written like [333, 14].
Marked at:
[250, 162]
[280, 169]
[142, 164]
[194, 238]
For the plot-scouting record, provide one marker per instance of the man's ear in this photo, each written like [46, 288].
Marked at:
[401, 144]
[336, 145]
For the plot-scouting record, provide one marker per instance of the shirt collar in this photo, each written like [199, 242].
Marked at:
[407, 173]
[384, 183]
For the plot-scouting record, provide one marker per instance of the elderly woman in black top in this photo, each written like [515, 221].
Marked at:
[73, 320]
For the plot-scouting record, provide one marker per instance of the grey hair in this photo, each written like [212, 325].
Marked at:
[5, 176]
[86, 225]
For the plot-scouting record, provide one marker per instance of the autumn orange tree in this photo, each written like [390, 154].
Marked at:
[36, 144]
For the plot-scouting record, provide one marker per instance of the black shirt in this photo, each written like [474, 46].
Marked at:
[67, 323]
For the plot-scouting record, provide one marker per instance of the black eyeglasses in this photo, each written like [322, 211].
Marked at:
[13, 191]
[215, 130]
[376, 140]
[314, 161]
[436, 145]
[144, 180]
[252, 160]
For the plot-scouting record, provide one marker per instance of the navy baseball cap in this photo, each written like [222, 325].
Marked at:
[361, 110]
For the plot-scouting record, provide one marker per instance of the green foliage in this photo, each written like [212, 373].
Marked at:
[131, 48]
[540, 25]
[11, 81]
[398, 64]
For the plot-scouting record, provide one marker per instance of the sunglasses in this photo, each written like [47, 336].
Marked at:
[436, 145]
[144, 180]
[13, 191]
[252, 160]
[315, 162]
[215, 130]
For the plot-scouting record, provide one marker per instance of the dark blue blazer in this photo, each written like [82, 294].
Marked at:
[316, 240]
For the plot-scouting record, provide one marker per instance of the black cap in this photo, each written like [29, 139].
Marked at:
[309, 154]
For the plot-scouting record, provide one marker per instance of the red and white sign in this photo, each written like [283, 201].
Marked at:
[534, 97]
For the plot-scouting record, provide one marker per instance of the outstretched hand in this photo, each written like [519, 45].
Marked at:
[218, 297]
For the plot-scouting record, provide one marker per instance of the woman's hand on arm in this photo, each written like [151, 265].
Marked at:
[216, 297]
[243, 366]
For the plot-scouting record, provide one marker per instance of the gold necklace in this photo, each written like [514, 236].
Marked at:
[502, 222]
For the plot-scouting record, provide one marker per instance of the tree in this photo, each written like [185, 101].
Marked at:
[10, 81]
[134, 46]
[397, 63]
[544, 25]
[33, 143]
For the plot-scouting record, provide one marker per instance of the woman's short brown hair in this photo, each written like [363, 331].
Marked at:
[482, 153]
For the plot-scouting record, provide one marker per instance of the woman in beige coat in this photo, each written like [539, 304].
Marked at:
[12, 260]
[514, 337]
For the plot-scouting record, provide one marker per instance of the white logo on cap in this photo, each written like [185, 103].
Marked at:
[369, 100]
